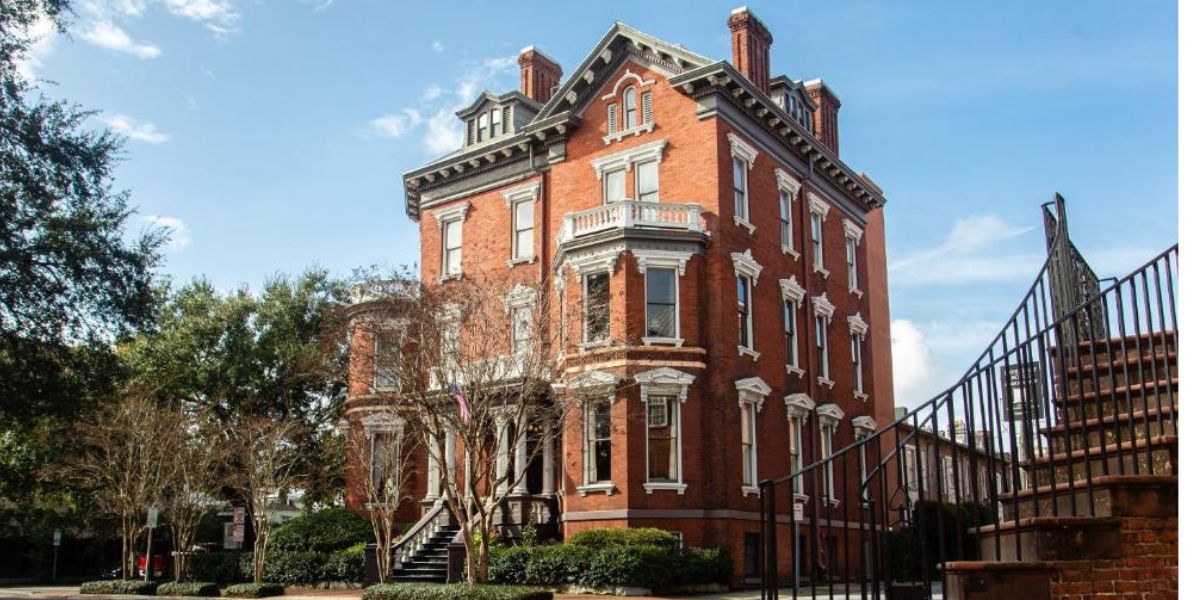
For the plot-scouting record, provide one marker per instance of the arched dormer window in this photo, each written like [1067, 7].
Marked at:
[630, 107]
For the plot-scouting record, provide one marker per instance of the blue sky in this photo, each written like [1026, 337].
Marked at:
[271, 136]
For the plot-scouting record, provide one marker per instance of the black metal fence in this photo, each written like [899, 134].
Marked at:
[1078, 387]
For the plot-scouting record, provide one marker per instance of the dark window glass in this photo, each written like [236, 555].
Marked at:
[660, 303]
[743, 297]
[596, 307]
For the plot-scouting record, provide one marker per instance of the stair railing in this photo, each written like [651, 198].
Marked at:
[1065, 399]
[421, 532]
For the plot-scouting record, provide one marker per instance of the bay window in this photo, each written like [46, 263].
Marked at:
[595, 307]
[646, 175]
[661, 303]
[614, 185]
[664, 392]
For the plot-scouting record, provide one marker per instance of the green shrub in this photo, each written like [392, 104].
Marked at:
[288, 567]
[221, 567]
[328, 530]
[636, 536]
[639, 566]
[123, 587]
[453, 591]
[253, 590]
[189, 588]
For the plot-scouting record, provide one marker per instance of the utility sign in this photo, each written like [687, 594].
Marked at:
[57, 537]
[152, 517]
[798, 509]
[238, 528]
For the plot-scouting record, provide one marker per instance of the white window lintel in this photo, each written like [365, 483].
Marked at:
[743, 150]
[625, 159]
[744, 264]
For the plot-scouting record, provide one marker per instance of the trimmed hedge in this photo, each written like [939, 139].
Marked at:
[221, 567]
[288, 568]
[636, 536]
[123, 587]
[328, 530]
[620, 565]
[453, 591]
[253, 590]
[189, 588]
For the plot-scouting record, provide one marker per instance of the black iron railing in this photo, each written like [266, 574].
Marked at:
[1078, 389]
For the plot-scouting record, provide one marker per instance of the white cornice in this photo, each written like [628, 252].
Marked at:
[744, 264]
[857, 324]
[525, 192]
[625, 159]
[742, 149]
[791, 289]
[822, 305]
[787, 183]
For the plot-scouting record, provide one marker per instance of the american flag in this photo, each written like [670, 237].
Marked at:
[464, 411]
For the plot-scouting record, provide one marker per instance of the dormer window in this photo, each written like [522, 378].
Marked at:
[630, 111]
[483, 123]
[496, 122]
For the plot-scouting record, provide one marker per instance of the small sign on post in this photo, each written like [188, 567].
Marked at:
[57, 537]
[57, 543]
[151, 523]
[152, 517]
[798, 509]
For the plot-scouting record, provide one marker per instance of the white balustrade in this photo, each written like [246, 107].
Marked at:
[629, 214]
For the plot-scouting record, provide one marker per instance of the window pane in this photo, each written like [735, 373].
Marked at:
[601, 450]
[596, 307]
[454, 260]
[525, 243]
[739, 188]
[660, 303]
[647, 181]
[614, 186]
[630, 106]
[524, 214]
[454, 234]
[660, 433]
[785, 218]
[743, 298]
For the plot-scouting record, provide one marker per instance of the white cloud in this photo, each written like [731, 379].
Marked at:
[913, 367]
[44, 38]
[432, 92]
[140, 132]
[968, 255]
[107, 35]
[928, 357]
[179, 236]
[435, 121]
[437, 46]
[221, 12]
[394, 125]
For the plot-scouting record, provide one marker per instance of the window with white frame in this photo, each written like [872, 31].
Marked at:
[521, 202]
[829, 415]
[799, 406]
[743, 155]
[664, 392]
[948, 482]
[858, 331]
[853, 236]
[646, 180]
[385, 440]
[497, 122]
[864, 426]
[661, 303]
[643, 161]
[793, 295]
[911, 480]
[450, 221]
[818, 210]
[597, 447]
[823, 311]
[789, 187]
[629, 104]
[522, 329]
[387, 359]
[752, 391]
[595, 307]
[662, 439]
[746, 272]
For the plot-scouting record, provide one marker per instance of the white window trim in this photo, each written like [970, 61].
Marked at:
[389, 326]
[752, 391]
[818, 207]
[739, 148]
[829, 416]
[445, 216]
[595, 385]
[858, 327]
[665, 381]
[745, 265]
[791, 186]
[584, 343]
[646, 126]
[512, 197]
[822, 307]
[625, 159]
[521, 297]
[854, 234]
[791, 290]
[665, 259]
[799, 407]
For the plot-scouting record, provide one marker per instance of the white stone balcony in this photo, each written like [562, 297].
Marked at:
[629, 214]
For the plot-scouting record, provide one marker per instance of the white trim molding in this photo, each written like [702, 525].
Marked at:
[665, 377]
[830, 414]
[853, 232]
[625, 159]
[863, 426]
[791, 290]
[818, 206]
[662, 259]
[627, 75]
[799, 405]
[822, 306]
[743, 150]
[525, 192]
[665, 381]
[857, 324]
[744, 264]
[595, 262]
[458, 212]
[753, 391]
[787, 183]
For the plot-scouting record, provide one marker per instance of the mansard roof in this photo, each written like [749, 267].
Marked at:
[486, 96]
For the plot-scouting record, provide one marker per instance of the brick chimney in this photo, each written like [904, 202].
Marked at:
[825, 119]
[539, 74]
[751, 47]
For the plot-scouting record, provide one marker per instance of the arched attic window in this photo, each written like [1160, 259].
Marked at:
[630, 106]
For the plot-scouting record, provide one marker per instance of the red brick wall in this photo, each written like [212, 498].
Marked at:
[1149, 569]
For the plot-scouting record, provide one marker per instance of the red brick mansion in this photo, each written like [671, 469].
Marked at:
[730, 265]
